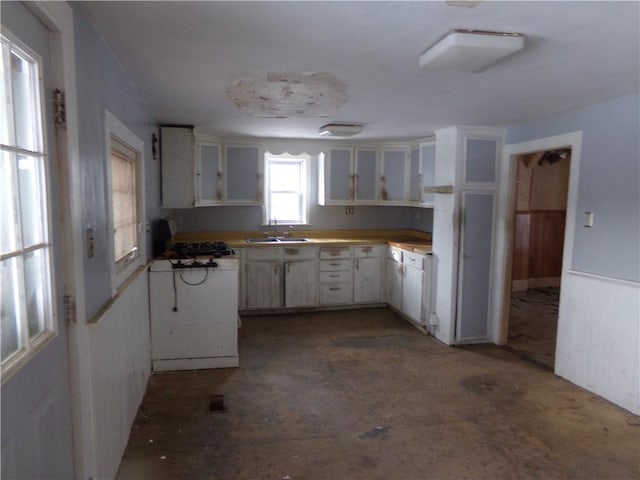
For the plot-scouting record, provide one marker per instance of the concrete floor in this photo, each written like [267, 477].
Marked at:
[533, 324]
[363, 395]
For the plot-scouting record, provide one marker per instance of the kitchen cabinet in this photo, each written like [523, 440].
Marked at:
[177, 168]
[209, 184]
[367, 273]
[300, 276]
[244, 175]
[262, 278]
[394, 177]
[408, 283]
[422, 167]
[276, 277]
[335, 276]
[348, 176]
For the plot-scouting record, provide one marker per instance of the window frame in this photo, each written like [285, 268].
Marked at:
[29, 346]
[304, 161]
[121, 270]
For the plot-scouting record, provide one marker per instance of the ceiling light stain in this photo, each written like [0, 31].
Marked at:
[289, 95]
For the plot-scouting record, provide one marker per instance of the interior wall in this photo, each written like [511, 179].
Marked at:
[598, 345]
[103, 84]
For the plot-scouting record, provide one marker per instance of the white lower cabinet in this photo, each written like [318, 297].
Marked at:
[367, 273]
[300, 285]
[408, 283]
[336, 270]
[262, 284]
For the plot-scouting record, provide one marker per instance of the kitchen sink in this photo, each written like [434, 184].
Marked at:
[276, 240]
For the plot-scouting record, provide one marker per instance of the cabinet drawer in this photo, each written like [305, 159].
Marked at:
[414, 259]
[267, 253]
[368, 251]
[335, 252]
[335, 265]
[328, 277]
[335, 293]
[394, 253]
[300, 253]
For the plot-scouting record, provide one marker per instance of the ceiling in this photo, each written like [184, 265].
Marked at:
[182, 55]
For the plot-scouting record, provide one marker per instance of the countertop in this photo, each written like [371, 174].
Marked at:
[412, 240]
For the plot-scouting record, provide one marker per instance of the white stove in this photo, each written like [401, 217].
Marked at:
[194, 313]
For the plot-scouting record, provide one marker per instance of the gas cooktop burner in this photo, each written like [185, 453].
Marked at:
[194, 249]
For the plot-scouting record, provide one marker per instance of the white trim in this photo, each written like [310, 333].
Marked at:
[58, 17]
[113, 126]
[503, 238]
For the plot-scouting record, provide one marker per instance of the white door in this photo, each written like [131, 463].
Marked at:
[475, 267]
[366, 280]
[36, 416]
[393, 278]
[262, 284]
[300, 284]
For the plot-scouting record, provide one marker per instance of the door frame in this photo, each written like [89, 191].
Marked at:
[58, 17]
[504, 228]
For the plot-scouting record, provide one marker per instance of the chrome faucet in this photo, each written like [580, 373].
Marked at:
[275, 227]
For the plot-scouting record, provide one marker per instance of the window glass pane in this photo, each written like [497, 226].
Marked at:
[5, 107]
[32, 210]
[7, 205]
[37, 290]
[285, 177]
[24, 101]
[285, 207]
[123, 181]
[9, 310]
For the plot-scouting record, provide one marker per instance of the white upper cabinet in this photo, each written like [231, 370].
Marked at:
[422, 167]
[366, 176]
[176, 150]
[243, 175]
[349, 177]
[209, 184]
[480, 161]
[394, 177]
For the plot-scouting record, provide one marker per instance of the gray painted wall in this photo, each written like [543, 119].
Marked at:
[609, 183]
[103, 84]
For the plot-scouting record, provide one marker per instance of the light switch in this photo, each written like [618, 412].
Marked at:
[90, 242]
[588, 219]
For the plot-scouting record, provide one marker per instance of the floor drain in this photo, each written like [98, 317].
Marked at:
[216, 404]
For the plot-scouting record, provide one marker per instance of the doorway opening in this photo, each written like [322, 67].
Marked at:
[539, 217]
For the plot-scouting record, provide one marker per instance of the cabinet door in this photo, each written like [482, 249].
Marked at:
[262, 284]
[243, 175]
[394, 176]
[300, 287]
[366, 176]
[208, 174]
[481, 156]
[340, 176]
[412, 293]
[367, 277]
[393, 283]
[427, 171]
[415, 176]
[176, 149]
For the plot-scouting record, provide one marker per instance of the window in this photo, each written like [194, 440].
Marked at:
[126, 203]
[286, 187]
[26, 299]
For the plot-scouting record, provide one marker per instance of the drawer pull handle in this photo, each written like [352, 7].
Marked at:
[334, 289]
[334, 264]
[334, 276]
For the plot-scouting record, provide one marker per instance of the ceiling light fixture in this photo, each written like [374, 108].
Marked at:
[471, 50]
[339, 130]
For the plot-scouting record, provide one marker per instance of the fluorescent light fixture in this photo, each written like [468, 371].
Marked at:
[471, 50]
[339, 130]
